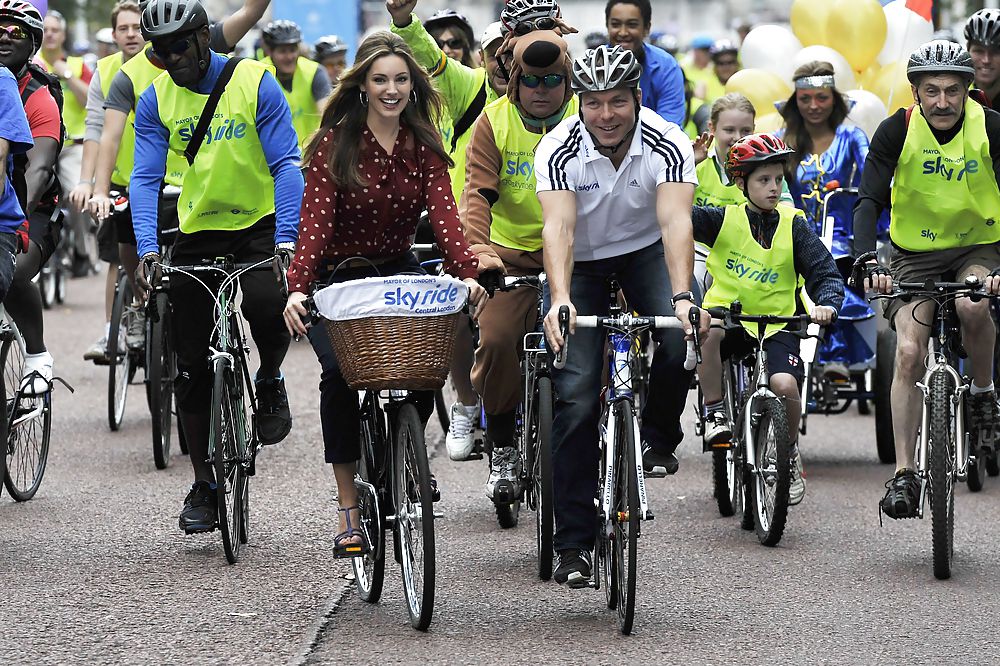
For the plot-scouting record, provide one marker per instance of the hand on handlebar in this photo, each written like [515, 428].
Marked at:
[100, 206]
[683, 310]
[295, 314]
[80, 195]
[878, 279]
[477, 296]
[491, 280]
[147, 275]
[553, 334]
[823, 315]
[992, 282]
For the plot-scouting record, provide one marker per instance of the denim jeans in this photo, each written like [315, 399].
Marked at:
[643, 278]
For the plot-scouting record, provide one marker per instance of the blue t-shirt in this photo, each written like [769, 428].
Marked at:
[14, 128]
[662, 84]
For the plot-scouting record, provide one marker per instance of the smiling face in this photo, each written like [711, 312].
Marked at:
[388, 85]
[493, 72]
[626, 27]
[609, 115]
[180, 55]
[815, 105]
[733, 124]
[126, 33]
[285, 58]
[986, 60]
[942, 99]
[15, 53]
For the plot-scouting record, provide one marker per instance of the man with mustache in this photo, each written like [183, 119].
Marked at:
[937, 165]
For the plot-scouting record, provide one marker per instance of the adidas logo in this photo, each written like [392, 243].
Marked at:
[633, 183]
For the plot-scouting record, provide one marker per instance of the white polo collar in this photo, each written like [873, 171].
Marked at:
[590, 152]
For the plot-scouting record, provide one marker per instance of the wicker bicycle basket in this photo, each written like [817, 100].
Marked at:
[412, 353]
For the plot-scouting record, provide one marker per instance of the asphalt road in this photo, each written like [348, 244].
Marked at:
[94, 569]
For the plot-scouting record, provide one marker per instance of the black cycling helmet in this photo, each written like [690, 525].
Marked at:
[281, 32]
[449, 18]
[163, 18]
[983, 27]
[940, 57]
[328, 45]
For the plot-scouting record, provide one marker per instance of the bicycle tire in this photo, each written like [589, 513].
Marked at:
[160, 379]
[992, 464]
[625, 538]
[59, 277]
[773, 468]
[742, 473]
[119, 359]
[724, 468]
[508, 513]
[225, 449]
[369, 571]
[860, 384]
[941, 473]
[885, 358]
[27, 429]
[444, 416]
[542, 478]
[976, 471]
[413, 503]
[47, 287]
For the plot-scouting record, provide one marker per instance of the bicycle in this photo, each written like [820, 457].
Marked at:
[751, 474]
[621, 498]
[393, 470]
[233, 443]
[944, 451]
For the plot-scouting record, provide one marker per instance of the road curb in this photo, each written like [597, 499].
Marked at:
[315, 632]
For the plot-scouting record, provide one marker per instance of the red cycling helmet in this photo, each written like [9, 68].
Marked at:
[752, 151]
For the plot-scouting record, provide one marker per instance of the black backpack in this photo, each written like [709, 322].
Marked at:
[39, 78]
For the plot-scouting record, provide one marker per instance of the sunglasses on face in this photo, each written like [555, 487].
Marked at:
[549, 80]
[544, 23]
[14, 31]
[163, 51]
[455, 43]
[725, 63]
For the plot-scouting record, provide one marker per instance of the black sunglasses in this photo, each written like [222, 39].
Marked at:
[164, 51]
[544, 23]
[549, 80]
[455, 43]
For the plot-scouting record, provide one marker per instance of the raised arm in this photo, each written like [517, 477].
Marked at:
[235, 27]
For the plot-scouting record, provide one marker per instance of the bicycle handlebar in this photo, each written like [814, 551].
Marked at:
[629, 322]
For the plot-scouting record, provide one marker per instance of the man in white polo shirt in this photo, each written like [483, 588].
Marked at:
[616, 185]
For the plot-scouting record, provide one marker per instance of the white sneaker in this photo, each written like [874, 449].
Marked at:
[797, 488]
[37, 376]
[97, 351]
[135, 334]
[503, 485]
[459, 440]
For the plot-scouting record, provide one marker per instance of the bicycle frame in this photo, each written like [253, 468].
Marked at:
[749, 416]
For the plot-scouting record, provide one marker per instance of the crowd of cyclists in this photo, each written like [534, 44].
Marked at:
[624, 160]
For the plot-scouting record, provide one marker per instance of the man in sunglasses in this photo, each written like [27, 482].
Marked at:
[111, 100]
[35, 181]
[503, 223]
[616, 184]
[303, 81]
[250, 142]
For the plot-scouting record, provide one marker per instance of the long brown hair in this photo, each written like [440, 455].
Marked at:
[796, 135]
[346, 116]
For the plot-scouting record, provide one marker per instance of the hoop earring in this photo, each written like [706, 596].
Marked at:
[413, 95]
[364, 97]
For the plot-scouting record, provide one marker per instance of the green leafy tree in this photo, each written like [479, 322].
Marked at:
[97, 13]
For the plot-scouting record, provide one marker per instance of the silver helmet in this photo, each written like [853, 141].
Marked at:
[523, 16]
[940, 57]
[983, 27]
[605, 68]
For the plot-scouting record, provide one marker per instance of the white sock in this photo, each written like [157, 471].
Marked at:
[107, 328]
[975, 390]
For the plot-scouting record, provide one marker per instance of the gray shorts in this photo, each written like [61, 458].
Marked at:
[941, 265]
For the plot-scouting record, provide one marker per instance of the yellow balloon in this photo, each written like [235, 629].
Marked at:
[856, 28]
[761, 87]
[892, 86]
[808, 19]
[866, 78]
[768, 123]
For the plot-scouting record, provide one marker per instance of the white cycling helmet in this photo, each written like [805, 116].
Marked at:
[605, 68]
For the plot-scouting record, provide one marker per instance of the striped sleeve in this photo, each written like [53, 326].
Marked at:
[671, 150]
[554, 160]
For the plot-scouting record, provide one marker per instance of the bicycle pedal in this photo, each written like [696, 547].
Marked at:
[438, 514]
[649, 515]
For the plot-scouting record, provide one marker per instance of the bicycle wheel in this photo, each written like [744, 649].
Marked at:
[120, 368]
[507, 514]
[160, 378]
[726, 484]
[47, 287]
[28, 428]
[227, 447]
[942, 479]
[773, 472]
[369, 571]
[624, 539]
[541, 477]
[59, 277]
[441, 407]
[414, 516]
[5, 406]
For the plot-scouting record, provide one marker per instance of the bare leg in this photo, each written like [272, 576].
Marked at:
[911, 348]
[348, 494]
[461, 364]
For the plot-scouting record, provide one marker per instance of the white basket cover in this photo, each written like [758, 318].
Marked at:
[392, 296]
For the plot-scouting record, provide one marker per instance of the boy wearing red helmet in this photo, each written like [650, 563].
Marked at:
[758, 251]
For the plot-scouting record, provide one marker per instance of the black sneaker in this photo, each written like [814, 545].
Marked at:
[982, 410]
[200, 513]
[574, 568]
[902, 495]
[657, 465]
[274, 419]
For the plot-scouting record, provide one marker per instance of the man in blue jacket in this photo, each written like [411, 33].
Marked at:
[15, 139]
[662, 83]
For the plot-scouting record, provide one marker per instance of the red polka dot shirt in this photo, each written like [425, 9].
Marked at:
[377, 221]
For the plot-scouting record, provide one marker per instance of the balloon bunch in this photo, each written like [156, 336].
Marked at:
[867, 44]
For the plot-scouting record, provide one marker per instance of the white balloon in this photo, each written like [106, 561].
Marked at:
[906, 31]
[842, 72]
[771, 48]
[867, 112]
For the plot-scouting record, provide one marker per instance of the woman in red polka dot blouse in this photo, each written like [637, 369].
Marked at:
[374, 164]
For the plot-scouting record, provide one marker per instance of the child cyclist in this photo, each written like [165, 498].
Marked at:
[762, 237]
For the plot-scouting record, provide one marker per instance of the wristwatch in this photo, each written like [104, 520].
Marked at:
[68, 74]
[682, 296]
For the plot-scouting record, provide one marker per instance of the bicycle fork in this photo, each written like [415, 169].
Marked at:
[960, 452]
[607, 492]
